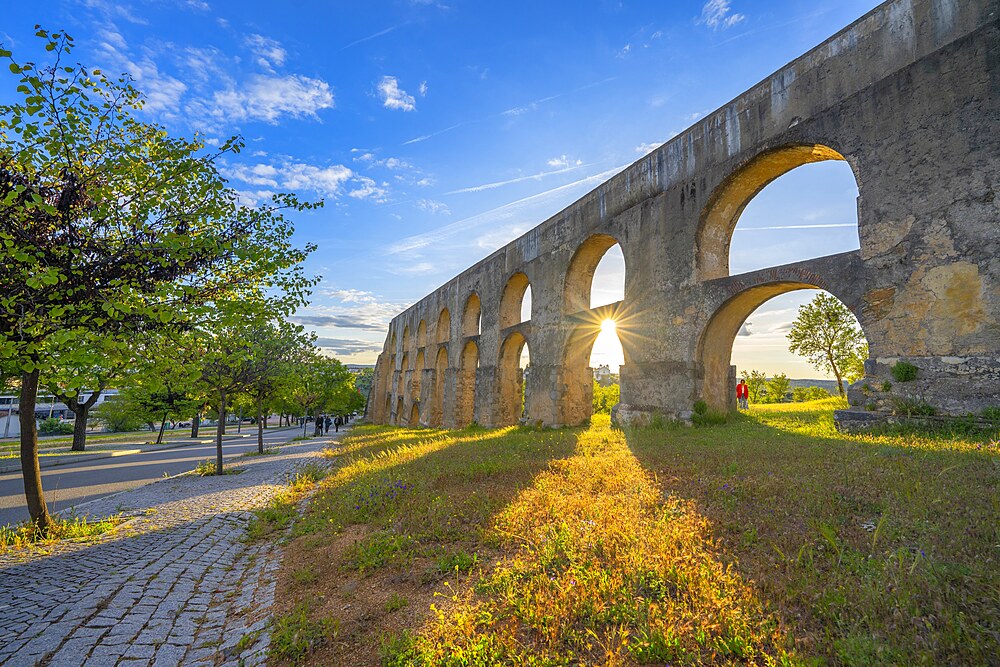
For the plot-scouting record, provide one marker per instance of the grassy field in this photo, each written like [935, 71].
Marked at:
[768, 540]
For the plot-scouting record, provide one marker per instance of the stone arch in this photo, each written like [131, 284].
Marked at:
[580, 275]
[406, 340]
[399, 411]
[465, 408]
[414, 416]
[420, 360]
[471, 316]
[388, 409]
[437, 400]
[718, 385]
[511, 299]
[576, 403]
[392, 346]
[511, 379]
[726, 204]
[421, 335]
[401, 381]
[444, 326]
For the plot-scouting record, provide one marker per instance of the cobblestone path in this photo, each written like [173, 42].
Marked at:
[174, 586]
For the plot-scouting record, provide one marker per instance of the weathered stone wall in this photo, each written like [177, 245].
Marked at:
[909, 96]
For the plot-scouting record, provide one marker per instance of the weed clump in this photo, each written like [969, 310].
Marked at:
[904, 371]
[295, 635]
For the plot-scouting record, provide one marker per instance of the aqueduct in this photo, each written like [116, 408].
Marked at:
[909, 96]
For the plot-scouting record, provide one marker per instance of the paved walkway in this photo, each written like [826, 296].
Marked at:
[175, 585]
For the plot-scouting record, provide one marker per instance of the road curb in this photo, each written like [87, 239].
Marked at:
[85, 458]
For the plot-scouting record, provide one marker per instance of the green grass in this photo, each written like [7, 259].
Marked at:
[282, 510]
[26, 535]
[769, 538]
[208, 468]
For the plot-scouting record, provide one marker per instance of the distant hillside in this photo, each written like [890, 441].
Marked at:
[829, 385]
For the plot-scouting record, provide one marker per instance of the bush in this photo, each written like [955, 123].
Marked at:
[55, 426]
[904, 371]
[605, 398]
[117, 415]
[803, 394]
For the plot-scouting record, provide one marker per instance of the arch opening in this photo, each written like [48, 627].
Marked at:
[437, 402]
[579, 293]
[512, 300]
[815, 208]
[465, 407]
[399, 412]
[444, 326]
[577, 402]
[472, 316]
[515, 360]
[422, 334]
[414, 416]
[407, 343]
[719, 348]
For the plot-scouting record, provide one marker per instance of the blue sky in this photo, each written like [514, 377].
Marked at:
[438, 131]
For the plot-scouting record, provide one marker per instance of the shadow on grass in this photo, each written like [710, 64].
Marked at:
[872, 549]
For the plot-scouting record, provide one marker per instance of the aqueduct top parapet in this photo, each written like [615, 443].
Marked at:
[907, 95]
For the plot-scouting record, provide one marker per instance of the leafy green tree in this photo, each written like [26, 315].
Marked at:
[802, 394]
[756, 385]
[118, 415]
[83, 373]
[777, 387]
[828, 335]
[315, 385]
[110, 227]
[363, 381]
[278, 349]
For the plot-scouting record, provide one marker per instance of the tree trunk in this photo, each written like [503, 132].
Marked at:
[220, 431]
[163, 425]
[80, 413]
[260, 429]
[304, 422]
[30, 470]
[80, 427]
[195, 424]
[836, 372]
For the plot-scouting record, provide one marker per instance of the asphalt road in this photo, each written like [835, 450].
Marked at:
[75, 483]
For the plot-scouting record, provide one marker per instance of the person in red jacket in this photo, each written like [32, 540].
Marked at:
[742, 394]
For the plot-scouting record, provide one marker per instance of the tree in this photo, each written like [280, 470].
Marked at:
[777, 388]
[605, 398]
[802, 394]
[278, 350]
[315, 385]
[110, 227]
[828, 335]
[88, 366]
[363, 381]
[756, 384]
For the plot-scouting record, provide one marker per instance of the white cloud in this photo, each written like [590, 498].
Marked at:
[423, 89]
[426, 182]
[394, 97]
[647, 147]
[267, 98]
[326, 181]
[270, 53]
[718, 14]
[624, 51]
[350, 295]
[563, 161]
[432, 206]
[366, 188]
[396, 163]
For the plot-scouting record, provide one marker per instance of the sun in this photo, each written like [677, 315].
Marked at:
[608, 325]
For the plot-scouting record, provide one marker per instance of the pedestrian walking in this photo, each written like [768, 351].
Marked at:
[326, 423]
[336, 424]
[742, 395]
